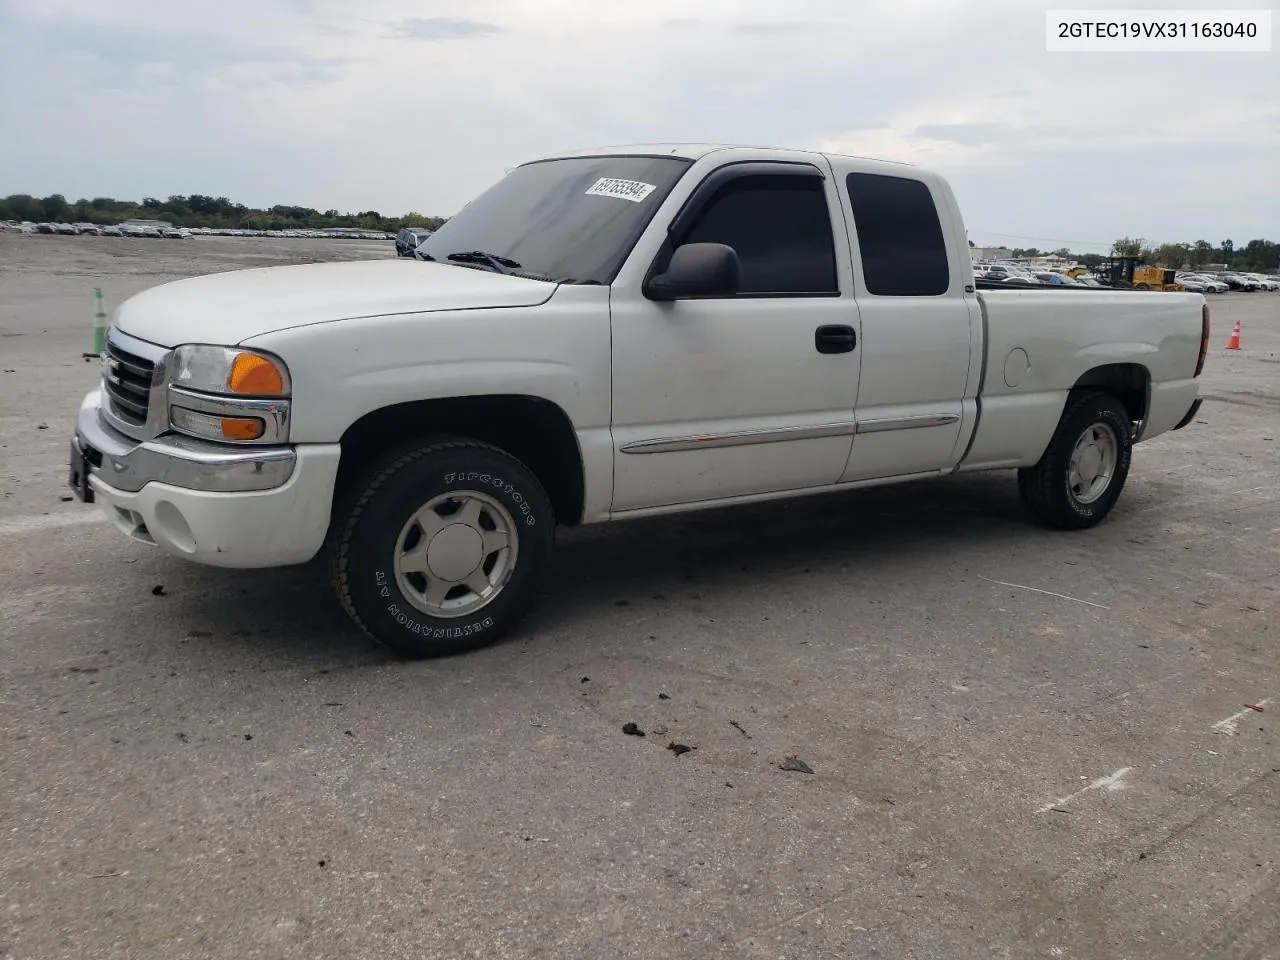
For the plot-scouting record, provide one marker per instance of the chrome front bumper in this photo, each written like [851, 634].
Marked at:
[129, 465]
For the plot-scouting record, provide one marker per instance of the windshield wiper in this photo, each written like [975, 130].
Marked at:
[497, 264]
[503, 265]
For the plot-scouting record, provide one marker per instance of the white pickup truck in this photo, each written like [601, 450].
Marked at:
[605, 335]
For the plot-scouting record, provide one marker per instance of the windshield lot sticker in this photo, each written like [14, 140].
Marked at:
[632, 190]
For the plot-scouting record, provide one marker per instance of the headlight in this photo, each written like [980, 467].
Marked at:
[229, 370]
[229, 395]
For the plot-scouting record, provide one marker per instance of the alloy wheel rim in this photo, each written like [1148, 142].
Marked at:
[456, 553]
[1093, 463]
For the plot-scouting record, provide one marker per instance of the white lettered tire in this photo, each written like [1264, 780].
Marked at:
[444, 549]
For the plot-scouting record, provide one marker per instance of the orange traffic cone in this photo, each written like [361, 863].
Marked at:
[1234, 342]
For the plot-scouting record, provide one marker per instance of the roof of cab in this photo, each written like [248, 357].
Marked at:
[696, 151]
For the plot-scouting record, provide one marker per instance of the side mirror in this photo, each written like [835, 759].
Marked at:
[697, 270]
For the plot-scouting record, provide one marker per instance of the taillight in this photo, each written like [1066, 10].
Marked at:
[1204, 339]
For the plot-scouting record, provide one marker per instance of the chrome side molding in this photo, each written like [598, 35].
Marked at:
[908, 423]
[741, 438]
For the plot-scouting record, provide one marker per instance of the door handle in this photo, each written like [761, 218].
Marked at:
[835, 338]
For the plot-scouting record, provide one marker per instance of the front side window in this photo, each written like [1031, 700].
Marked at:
[781, 229]
[904, 253]
[569, 220]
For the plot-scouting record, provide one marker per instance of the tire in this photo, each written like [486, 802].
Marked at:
[1055, 491]
[413, 599]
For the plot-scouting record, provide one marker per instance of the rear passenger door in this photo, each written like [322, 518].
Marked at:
[918, 323]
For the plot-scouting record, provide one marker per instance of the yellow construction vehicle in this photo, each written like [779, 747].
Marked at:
[1131, 273]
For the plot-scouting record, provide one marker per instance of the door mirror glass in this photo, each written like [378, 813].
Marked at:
[697, 270]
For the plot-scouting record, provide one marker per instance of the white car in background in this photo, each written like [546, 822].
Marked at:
[1003, 273]
[1264, 281]
[1199, 283]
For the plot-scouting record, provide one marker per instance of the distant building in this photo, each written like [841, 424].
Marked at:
[990, 253]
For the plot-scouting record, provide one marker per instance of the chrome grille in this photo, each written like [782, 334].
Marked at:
[126, 378]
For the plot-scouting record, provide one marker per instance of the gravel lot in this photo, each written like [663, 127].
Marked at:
[227, 769]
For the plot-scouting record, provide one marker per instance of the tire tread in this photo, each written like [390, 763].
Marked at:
[1037, 485]
[351, 516]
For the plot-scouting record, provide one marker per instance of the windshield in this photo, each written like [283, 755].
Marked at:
[568, 220]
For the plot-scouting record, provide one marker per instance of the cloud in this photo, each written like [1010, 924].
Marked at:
[308, 101]
[120, 56]
[772, 28]
[965, 134]
[442, 28]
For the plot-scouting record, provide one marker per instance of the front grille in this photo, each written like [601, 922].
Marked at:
[126, 377]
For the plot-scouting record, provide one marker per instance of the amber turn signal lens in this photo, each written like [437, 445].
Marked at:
[241, 428]
[255, 376]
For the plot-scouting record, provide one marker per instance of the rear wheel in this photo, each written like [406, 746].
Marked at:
[444, 549]
[1081, 474]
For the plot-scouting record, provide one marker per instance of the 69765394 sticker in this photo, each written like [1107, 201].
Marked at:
[633, 190]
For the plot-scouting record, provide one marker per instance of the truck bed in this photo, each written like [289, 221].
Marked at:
[1042, 341]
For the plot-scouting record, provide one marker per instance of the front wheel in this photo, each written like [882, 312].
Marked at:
[1081, 474]
[444, 549]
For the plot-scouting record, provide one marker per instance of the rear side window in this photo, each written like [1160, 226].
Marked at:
[900, 236]
[781, 230]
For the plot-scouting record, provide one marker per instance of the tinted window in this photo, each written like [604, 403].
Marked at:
[572, 219]
[903, 252]
[780, 228]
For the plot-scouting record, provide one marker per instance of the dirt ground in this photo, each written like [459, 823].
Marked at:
[1023, 743]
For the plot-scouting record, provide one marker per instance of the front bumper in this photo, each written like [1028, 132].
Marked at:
[182, 461]
[228, 507]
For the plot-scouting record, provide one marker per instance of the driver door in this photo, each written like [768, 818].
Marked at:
[747, 394]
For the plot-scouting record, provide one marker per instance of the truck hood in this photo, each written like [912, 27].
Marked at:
[228, 308]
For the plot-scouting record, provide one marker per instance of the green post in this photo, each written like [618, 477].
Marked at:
[99, 324]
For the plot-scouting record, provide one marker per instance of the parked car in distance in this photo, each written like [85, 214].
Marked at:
[1237, 281]
[408, 238]
[112, 231]
[1201, 283]
[1002, 273]
[1263, 282]
[607, 335]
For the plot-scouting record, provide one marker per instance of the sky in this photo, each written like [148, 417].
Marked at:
[418, 105]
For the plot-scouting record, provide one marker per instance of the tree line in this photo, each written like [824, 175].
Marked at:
[198, 210]
[1256, 256]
